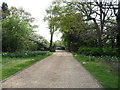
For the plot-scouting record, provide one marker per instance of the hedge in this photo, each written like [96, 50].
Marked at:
[97, 51]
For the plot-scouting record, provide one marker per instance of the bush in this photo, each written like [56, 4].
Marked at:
[97, 51]
[24, 54]
[90, 51]
[110, 51]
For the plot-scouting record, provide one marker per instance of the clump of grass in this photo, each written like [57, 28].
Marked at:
[109, 58]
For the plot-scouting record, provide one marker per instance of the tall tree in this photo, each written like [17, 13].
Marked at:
[97, 13]
[0, 32]
[15, 34]
[116, 8]
[22, 13]
[118, 26]
[5, 10]
[86, 23]
[53, 19]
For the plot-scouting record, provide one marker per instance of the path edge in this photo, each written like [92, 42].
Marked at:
[2, 81]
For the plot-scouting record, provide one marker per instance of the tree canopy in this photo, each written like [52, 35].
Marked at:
[17, 29]
[86, 23]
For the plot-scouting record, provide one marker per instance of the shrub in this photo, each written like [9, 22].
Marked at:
[90, 51]
[97, 51]
[24, 54]
[110, 51]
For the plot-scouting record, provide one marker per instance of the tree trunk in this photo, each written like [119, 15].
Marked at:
[99, 33]
[101, 24]
[118, 25]
[51, 41]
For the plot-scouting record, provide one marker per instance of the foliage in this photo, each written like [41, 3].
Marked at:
[53, 20]
[87, 23]
[5, 10]
[24, 54]
[72, 30]
[58, 43]
[15, 34]
[18, 31]
[22, 13]
[40, 41]
[97, 51]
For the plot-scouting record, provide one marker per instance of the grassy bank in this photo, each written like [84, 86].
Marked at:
[11, 65]
[0, 67]
[103, 69]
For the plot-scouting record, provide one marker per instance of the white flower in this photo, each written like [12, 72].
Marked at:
[26, 54]
[84, 63]
[33, 59]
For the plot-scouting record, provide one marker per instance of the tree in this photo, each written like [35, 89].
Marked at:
[15, 34]
[86, 23]
[40, 41]
[95, 12]
[0, 33]
[58, 43]
[22, 13]
[17, 28]
[110, 34]
[5, 10]
[71, 27]
[118, 24]
[53, 19]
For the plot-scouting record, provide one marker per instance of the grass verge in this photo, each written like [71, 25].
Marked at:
[105, 73]
[12, 65]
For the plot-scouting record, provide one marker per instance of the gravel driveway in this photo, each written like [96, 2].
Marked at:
[59, 70]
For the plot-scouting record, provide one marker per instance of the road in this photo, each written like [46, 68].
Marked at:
[59, 70]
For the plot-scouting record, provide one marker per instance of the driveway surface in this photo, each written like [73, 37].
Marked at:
[59, 70]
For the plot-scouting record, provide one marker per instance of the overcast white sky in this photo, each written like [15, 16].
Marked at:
[37, 10]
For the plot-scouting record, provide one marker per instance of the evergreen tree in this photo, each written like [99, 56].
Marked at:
[5, 10]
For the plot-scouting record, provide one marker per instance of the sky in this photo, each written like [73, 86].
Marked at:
[37, 10]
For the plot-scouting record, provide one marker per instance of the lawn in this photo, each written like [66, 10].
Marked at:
[0, 68]
[106, 72]
[12, 65]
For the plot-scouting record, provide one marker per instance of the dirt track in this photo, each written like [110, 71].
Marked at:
[59, 70]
